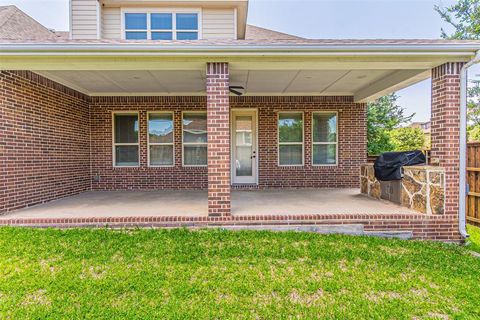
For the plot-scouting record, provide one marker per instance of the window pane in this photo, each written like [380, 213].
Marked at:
[325, 154]
[161, 155]
[126, 155]
[290, 127]
[324, 127]
[195, 127]
[136, 36]
[195, 155]
[291, 155]
[187, 21]
[162, 35]
[161, 21]
[135, 21]
[187, 36]
[126, 128]
[160, 128]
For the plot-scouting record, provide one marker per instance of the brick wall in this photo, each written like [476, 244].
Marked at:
[44, 140]
[446, 128]
[352, 143]
[218, 127]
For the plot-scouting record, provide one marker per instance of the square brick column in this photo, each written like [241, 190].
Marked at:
[218, 127]
[446, 128]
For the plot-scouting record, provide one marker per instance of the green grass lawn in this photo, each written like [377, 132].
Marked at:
[474, 239]
[144, 274]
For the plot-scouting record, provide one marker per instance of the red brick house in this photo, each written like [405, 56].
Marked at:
[185, 96]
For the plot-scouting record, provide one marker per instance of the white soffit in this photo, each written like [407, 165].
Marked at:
[363, 84]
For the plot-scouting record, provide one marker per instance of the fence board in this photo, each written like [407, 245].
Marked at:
[473, 180]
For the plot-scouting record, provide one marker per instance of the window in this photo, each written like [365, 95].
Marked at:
[125, 140]
[194, 138]
[160, 139]
[290, 138]
[325, 138]
[161, 26]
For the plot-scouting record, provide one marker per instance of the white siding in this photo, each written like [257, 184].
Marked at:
[218, 23]
[84, 19]
[111, 23]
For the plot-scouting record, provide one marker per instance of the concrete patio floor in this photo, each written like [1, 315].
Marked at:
[194, 203]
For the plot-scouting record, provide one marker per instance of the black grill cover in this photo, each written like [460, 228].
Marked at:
[388, 166]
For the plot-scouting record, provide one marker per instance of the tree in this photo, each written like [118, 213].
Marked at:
[405, 139]
[384, 115]
[464, 16]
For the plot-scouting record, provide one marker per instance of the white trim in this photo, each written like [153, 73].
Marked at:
[291, 143]
[233, 142]
[235, 23]
[137, 113]
[99, 24]
[172, 11]
[160, 144]
[325, 143]
[70, 8]
[193, 143]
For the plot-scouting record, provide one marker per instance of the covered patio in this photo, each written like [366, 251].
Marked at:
[165, 203]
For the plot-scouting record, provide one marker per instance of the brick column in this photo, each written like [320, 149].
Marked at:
[446, 128]
[218, 126]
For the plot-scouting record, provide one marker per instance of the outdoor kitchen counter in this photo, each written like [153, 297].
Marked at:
[422, 187]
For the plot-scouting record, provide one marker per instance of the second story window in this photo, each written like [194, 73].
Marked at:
[161, 26]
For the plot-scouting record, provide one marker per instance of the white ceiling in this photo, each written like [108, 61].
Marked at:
[256, 82]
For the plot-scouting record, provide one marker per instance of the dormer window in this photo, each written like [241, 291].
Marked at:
[155, 25]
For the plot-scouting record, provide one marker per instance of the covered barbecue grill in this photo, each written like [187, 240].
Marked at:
[389, 166]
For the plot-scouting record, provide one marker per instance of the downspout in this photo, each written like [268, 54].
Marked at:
[462, 221]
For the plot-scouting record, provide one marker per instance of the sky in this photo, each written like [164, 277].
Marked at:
[318, 19]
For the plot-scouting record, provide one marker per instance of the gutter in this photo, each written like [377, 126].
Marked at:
[260, 49]
[462, 220]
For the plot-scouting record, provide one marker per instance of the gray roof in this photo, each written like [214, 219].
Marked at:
[17, 25]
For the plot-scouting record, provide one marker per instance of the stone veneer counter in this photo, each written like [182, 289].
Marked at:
[422, 187]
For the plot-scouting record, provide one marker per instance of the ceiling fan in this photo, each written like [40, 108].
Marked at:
[235, 90]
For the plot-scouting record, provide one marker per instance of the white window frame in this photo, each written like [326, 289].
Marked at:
[193, 143]
[114, 144]
[173, 11]
[291, 143]
[326, 143]
[161, 143]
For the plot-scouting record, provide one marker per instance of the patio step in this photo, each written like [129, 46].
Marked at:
[348, 229]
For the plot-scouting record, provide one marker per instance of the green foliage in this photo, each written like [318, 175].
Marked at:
[474, 239]
[464, 17]
[180, 274]
[384, 115]
[405, 139]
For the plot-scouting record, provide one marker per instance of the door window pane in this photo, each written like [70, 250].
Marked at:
[126, 128]
[244, 147]
[195, 155]
[195, 127]
[135, 21]
[160, 128]
[187, 21]
[324, 127]
[126, 155]
[290, 127]
[161, 21]
[325, 154]
[161, 155]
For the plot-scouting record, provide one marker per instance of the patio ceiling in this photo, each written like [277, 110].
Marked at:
[363, 84]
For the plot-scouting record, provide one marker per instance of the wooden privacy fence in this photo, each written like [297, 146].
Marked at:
[473, 180]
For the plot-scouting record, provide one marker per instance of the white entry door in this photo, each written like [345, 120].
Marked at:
[244, 146]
